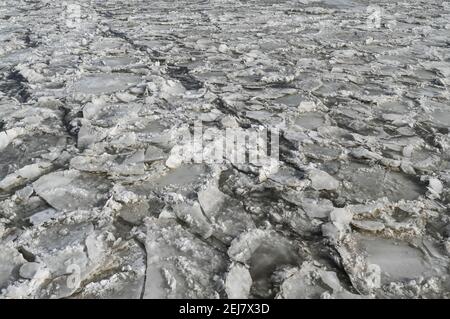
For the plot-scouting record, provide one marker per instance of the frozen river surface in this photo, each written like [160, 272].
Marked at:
[97, 98]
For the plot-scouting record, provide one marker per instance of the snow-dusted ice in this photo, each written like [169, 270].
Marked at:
[97, 98]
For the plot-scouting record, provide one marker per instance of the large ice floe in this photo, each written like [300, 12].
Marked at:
[98, 99]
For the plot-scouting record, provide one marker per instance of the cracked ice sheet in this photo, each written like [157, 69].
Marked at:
[92, 205]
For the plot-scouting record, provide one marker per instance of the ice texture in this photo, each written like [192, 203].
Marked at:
[97, 202]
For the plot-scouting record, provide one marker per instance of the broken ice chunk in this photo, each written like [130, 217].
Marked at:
[361, 152]
[223, 48]
[365, 277]
[132, 164]
[317, 208]
[71, 189]
[311, 281]
[238, 282]
[408, 150]
[10, 259]
[300, 285]
[23, 175]
[154, 153]
[29, 74]
[25, 193]
[306, 106]
[310, 120]
[94, 247]
[193, 216]
[125, 97]
[90, 134]
[125, 283]
[435, 188]
[210, 199]
[179, 264]
[105, 83]
[398, 261]
[321, 180]
[374, 182]
[8, 136]
[177, 157]
[339, 225]
[341, 218]
[29, 270]
[43, 216]
[368, 225]
[49, 102]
